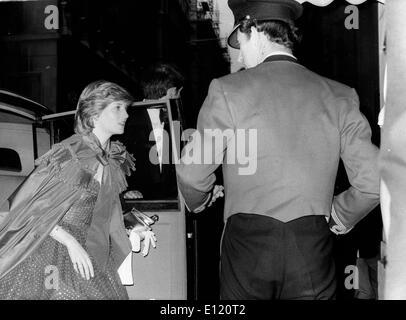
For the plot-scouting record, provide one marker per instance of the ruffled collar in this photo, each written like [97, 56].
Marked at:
[102, 155]
[115, 155]
[114, 150]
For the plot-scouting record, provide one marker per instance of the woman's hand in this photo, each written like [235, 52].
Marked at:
[80, 259]
[142, 234]
[133, 194]
[141, 230]
[149, 239]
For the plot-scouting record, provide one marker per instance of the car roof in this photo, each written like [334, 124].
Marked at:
[17, 104]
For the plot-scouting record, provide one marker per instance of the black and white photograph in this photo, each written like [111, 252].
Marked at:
[194, 151]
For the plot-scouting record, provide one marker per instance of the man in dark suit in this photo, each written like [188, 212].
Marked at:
[147, 137]
[277, 243]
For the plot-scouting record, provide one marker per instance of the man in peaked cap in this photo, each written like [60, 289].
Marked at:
[277, 243]
[282, 10]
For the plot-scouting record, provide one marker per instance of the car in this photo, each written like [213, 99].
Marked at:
[21, 141]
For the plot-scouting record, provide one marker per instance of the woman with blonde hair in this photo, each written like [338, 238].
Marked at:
[64, 236]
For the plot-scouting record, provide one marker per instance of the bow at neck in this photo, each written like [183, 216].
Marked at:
[113, 151]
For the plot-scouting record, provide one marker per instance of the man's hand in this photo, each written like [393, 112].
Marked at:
[133, 194]
[218, 192]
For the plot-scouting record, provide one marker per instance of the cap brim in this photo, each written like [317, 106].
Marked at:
[232, 38]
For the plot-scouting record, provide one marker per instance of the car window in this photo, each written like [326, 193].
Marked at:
[10, 160]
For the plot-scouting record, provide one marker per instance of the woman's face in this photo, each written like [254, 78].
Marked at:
[112, 119]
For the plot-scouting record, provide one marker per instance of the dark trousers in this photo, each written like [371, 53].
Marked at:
[264, 258]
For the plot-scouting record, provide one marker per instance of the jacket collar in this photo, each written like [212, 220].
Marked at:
[280, 57]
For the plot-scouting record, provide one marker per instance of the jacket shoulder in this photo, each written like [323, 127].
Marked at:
[338, 89]
[235, 78]
[323, 85]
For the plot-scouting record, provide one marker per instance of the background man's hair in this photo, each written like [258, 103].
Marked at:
[280, 32]
[160, 77]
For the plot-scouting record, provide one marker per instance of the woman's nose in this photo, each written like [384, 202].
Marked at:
[125, 114]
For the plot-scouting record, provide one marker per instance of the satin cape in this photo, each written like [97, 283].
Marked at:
[60, 178]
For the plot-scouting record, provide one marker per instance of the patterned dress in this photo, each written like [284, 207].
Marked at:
[48, 272]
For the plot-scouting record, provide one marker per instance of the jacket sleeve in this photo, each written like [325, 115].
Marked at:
[360, 158]
[205, 152]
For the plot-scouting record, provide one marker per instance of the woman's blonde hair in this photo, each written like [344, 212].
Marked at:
[93, 99]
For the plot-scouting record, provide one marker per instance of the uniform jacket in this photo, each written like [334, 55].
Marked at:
[56, 183]
[304, 124]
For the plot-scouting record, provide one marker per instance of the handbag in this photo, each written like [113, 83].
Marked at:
[135, 218]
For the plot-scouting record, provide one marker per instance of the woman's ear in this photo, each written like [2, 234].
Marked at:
[93, 120]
